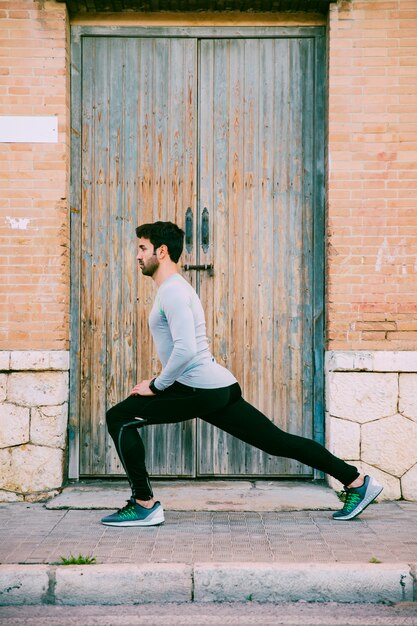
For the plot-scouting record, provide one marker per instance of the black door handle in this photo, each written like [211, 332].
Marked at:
[205, 230]
[189, 230]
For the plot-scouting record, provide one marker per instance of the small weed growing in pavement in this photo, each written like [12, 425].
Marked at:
[78, 560]
[374, 560]
[249, 597]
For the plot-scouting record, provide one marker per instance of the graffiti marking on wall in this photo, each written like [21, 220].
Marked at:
[20, 223]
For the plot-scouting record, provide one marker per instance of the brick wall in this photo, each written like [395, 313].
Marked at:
[372, 239]
[34, 256]
[372, 251]
[372, 187]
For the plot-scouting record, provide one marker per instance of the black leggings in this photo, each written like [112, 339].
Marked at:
[224, 408]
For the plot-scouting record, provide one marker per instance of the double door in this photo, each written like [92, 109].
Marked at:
[224, 137]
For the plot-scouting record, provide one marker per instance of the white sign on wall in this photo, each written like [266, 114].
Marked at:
[28, 129]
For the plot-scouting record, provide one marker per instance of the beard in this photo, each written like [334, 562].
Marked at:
[150, 268]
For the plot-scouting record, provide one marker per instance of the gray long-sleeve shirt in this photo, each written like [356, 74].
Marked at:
[178, 328]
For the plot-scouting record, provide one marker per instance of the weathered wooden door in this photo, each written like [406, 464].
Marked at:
[227, 131]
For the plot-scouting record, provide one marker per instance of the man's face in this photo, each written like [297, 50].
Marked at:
[146, 257]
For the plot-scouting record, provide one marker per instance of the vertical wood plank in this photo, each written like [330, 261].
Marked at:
[206, 187]
[282, 104]
[146, 360]
[214, 182]
[190, 161]
[122, 324]
[156, 439]
[100, 253]
[207, 443]
[266, 129]
[170, 448]
[294, 234]
[308, 131]
[87, 168]
[262, 335]
[236, 256]
[130, 217]
[253, 247]
[114, 259]
[319, 237]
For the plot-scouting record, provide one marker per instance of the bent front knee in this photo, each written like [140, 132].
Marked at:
[111, 416]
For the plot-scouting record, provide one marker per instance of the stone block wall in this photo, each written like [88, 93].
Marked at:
[371, 416]
[33, 423]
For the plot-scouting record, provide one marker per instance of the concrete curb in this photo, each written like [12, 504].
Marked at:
[311, 582]
[207, 582]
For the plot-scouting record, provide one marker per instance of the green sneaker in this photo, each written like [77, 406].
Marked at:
[133, 514]
[358, 498]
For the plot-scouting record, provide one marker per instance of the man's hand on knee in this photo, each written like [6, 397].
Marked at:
[142, 389]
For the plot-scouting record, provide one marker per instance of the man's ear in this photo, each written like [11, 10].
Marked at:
[163, 251]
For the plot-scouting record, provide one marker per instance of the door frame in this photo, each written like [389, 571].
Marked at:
[318, 33]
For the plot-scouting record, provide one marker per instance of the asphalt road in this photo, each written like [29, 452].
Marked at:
[299, 614]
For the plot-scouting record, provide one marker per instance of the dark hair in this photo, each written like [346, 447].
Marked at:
[167, 233]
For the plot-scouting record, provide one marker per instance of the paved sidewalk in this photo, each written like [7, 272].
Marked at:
[209, 556]
[30, 533]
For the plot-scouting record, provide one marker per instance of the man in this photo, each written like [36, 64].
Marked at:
[191, 384]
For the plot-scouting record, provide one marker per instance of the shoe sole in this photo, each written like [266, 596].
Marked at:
[157, 520]
[135, 523]
[362, 506]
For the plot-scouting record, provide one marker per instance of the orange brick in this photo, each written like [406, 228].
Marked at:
[375, 326]
[404, 336]
[373, 336]
[407, 325]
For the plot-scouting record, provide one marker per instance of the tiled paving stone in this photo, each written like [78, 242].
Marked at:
[33, 534]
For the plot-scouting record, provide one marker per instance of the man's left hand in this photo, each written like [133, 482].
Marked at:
[142, 389]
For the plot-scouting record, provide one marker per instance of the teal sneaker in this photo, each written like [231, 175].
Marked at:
[358, 498]
[133, 514]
